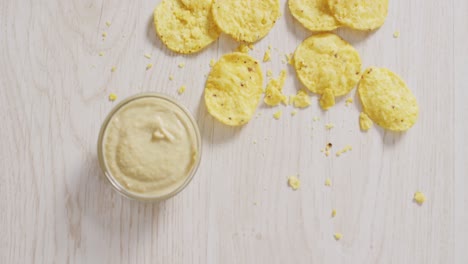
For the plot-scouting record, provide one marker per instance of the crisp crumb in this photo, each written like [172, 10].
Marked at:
[181, 65]
[396, 34]
[104, 34]
[269, 73]
[147, 55]
[182, 89]
[267, 56]
[328, 182]
[212, 62]
[113, 69]
[338, 236]
[294, 112]
[149, 66]
[278, 115]
[112, 97]
[255, 142]
[419, 198]
[108, 23]
[349, 101]
[344, 150]
[316, 118]
[329, 126]
[101, 54]
[171, 77]
[333, 213]
[294, 182]
[327, 149]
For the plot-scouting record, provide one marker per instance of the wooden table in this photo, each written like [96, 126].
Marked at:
[56, 207]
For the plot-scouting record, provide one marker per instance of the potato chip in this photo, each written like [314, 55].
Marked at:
[360, 14]
[387, 100]
[274, 91]
[327, 100]
[325, 61]
[183, 30]
[198, 4]
[246, 20]
[234, 88]
[314, 15]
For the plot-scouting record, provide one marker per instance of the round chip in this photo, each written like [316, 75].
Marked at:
[197, 4]
[183, 30]
[246, 20]
[325, 61]
[387, 100]
[234, 88]
[314, 15]
[360, 14]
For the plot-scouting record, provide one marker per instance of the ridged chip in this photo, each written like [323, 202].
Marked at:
[314, 15]
[246, 20]
[387, 100]
[198, 4]
[234, 88]
[360, 14]
[184, 30]
[325, 61]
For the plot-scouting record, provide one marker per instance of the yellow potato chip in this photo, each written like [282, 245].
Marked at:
[234, 88]
[183, 30]
[325, 61]
[387, 100]
[301, 99]
[274, 91]
[327, 100]
[365, 122]
[246, 20]
[198, 4]
[360, 14]
[314, 15]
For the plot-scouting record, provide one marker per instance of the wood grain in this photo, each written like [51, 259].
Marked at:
[57, 208]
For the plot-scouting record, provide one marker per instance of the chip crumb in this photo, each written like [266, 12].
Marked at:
[338, 236]
[278, 115]
[344, 150]
[181, 65]
[316, 118]
[108, 23]
[365, 122]
[349, 101]
[244, 48]
[113, 69]
[112, 97]
[269, 73]
[301, 99]
[182, 89]
[149, 66]
[267, 56]
[104, 34]
[274, 91]
[212, 62]
[101, 54]
[171, 77]
[329, 126]
[294, 112]
[419, 198]
[269, 47]
[326, 151]
[290, 58]
[333, 213]
[255, 142]
[147, 55]
[294, 182]
[327, 100]
[328, 182]
[396, 34]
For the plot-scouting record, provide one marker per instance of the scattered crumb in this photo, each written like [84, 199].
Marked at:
[147, 55]
[316, 118]
[349, 101]
[244, 48]
[108, 23]
[112, 97]
[396, 34]
[101, 54]
[294, 182]
[149, 66]
[212, 62]
[181, 65]
[274, 91]
[104, 34]
[269, 73]
[329, 126]
[338, 236]
[267, 56]
[365, 122]
[182, 89]
[269, 47]
[327, 100]
[171, 77]
[113, 69]
[344, 150]
[419, 198]
[278, 115]
[294, 112]
[290, 58]
[333, 213]
[326, 151]
[328, 182]
[255, 142]
[301, 99]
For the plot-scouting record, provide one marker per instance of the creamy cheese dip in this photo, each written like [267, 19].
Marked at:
[150, 146]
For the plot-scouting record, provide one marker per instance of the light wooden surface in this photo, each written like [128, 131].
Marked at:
[55, 207]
